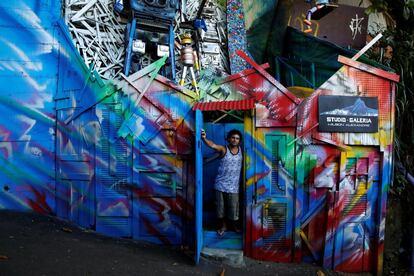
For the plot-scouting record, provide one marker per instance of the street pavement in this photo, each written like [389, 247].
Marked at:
[32, 244]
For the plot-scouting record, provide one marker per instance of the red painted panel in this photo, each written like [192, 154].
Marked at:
[225, 105]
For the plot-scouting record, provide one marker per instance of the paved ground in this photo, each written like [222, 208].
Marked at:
[31, 244]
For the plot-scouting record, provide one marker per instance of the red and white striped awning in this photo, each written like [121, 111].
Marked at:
[225, 105]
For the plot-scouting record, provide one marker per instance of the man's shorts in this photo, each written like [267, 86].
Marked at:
[227, 204]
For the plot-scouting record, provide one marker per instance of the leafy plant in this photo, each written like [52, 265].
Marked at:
[400, 37]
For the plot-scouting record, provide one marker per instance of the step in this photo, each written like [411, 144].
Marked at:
[229, 257]
[230, 240]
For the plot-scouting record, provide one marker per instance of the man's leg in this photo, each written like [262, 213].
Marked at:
[220, 213]
[232, 204]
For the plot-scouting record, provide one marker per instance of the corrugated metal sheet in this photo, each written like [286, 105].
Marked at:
[225, 105]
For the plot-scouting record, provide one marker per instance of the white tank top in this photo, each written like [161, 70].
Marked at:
[228, 175]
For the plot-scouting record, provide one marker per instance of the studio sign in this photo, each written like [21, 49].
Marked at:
[348, 114]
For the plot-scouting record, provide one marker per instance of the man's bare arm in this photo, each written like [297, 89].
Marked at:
[219, 148]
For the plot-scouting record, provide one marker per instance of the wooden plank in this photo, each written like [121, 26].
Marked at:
[267, 76]
[369, 69]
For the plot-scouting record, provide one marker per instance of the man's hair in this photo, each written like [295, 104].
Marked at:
[232, 132]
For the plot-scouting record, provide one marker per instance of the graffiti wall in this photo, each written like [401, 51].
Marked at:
[28, 75]
[359, 173]
[118, 156]
[317, 196]
[345, 26]
[109, 156]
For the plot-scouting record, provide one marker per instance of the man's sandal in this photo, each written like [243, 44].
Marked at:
[221, 232]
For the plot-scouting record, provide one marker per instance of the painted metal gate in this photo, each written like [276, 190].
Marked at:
[113, 173]
[353, 211]
[273, 211]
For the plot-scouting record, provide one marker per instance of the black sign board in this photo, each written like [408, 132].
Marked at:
[348, 114]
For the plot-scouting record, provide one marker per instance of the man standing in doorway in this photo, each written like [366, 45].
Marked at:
[227, 180]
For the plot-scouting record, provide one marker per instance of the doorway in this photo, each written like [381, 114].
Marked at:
[207, 162]
[217, 133]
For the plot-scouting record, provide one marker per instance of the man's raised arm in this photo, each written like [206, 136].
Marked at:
[219, 148]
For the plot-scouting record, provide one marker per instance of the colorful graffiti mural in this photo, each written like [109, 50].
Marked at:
[92, 152]
[120, 157]
[28, 66]
[314, 196]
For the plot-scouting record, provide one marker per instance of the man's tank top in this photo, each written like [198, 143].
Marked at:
[228, 175]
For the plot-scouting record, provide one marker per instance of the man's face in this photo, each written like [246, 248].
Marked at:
[234, 140]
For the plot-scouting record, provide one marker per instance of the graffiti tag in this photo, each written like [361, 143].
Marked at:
[356, 26]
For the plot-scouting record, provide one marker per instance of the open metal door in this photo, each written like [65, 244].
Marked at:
[198, 187]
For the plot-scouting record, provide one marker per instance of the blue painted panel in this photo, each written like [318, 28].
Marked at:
[153, 221]
[18, 47]
[230, 240]
[28, 77]
[24, 16]
[157, 220]
[275, 200]
[216, 133]
[75, 168]
[35, 42]
[141, 126]
[113, 173]
[157, 184]
[29, 159]
[114, 226]
[198, 187]
[39, 200]
[81, 205]
[24, 84]
[30, 125]
[153, 228]
[110, 207]
[28, 68]
[63, 199]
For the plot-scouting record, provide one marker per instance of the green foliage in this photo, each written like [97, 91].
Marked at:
[401, 39]
[401, 11]
[398, 229]
[400, 189]
[222, 4]
[377, 6]
[402, 43]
